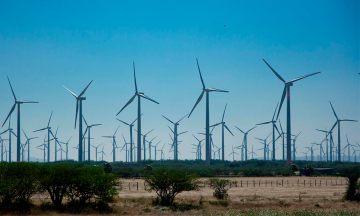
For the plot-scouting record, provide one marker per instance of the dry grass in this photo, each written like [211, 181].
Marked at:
[263, 200]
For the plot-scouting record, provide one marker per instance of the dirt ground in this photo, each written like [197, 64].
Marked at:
[274, 193]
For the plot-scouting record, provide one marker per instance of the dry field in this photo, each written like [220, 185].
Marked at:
[274, 193]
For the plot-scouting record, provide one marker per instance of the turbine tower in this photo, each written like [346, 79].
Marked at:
[222, 123]
[67, 147]
[10, 132]
[207, 124]
[79, 100]
[17, 102]
[175, 135]
[139, 95]
[273, 133]
[131, 138]
[28, 143]
[114, 142]
[245, 139]
[48, 136]
[287, 92]
[96, 151]
[338, 122]
[88, 127]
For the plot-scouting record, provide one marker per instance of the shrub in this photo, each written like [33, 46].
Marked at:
[18, 182]
[107, 167]
[353, 189]
[221, 187]
[55, 179]
[294, 167]
[167, 183]
[308, 170]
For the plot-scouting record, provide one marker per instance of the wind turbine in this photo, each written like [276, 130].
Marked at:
[321, 148]
[283, 143]
[294, 140]
[88, 127]
[79, 100]
[338, 122]
[48, 136]
[245, 139]
[131, 138]
[252, 152]
[96, 151]
[162, 152]
[17, 102]
[2, 148]
[175, 135]
[273, 133]
[150, 146]
[199, 146]
[211, 141]
[113, 143]
[233, 152]
[44, 148]
[155, 148]
[263, 142]
[56, 141]
[139, 95]
[287, 92]
[144, 140]
[67, 147]
[222, 123]
[327, 144]
[28, 143]
[311, 151]
[207, 128]
[348, 146]
[10, 132]
[305, 153]
[102, 154]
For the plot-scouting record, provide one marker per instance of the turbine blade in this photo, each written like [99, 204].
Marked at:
[12, 110]
[85, 121]
[277, 129]
[297, 79]
[216, 90]
[123, 122]
[4, 131]
[281, 127]
[281, 103]
[250, 129]
[264, 123]
[116, 130]
[202, 81]
[347, 120]
[11, 88]
[149, 132]
[95, 125]
[83, 92]
[50, 118]
[333, 110]
[77, 104]
[199, 99]
[215, 125]
[129, 102]
[70, 92]
[170, 129]
[40, 129]
[146, 97]
[22, 101]
[278, 76]
[85, 131]
[196, 138]
[275, 111]
[182, 118]
[223, 114]
[168, 119]
[136, 91]
[240, 129]
[228, 129]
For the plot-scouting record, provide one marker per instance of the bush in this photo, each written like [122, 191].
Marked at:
[294, 167]
[55, 179]
[308, 170]
[107, 167]
[353, 189]
[18, 182]
[221, 187]
[167, 183]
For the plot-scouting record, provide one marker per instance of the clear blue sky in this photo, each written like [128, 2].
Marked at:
[47, 44]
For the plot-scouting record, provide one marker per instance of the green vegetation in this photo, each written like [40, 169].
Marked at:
[294, 167]
[20, 181]
[353, 189]
[167, 183]
[284, 212]
[221, 187]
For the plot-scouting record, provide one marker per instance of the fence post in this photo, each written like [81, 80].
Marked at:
[247, 183]
[282, 182]
[271, 183]
[336, 182]
[341, 181]
[326, 182]
[241, 183]
[230, 184]
[137, 186]
[259, 183]
[315, 182]
[298, 182]
[265, 183]
[320, 182]
[277, 184]
[310, 182]
[287, 183]
[129, 186]
[304, 182]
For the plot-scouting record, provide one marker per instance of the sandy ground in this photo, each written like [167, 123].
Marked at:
[275, 193]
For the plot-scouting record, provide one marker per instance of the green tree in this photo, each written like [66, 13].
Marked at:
[221, 187]
[56, 179]
[167, 183]
[294, 167]
[353, 189]
[107, 167]
[308, 170]
[18, 183]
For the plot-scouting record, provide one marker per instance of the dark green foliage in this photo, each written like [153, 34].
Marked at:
[18, 182]
[92, 182]
[308, 170]
[294, 167]
[55, 179]
[167, 183]
[107, 167]
[353, 189]
[221, 187]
